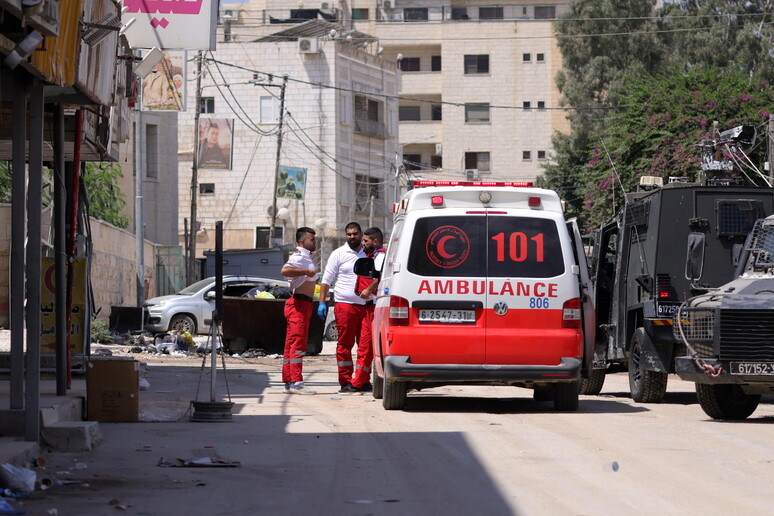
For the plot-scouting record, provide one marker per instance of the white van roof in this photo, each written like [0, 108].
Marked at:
[428, 195]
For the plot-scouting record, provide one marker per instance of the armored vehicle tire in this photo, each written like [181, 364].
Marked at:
[726, 401]
[543, 393]
[378, 383]
[182, 323]
[394, 395]
[593, 384]
[566, 396]
[645, 386]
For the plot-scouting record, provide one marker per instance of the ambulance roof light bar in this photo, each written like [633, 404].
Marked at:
[521, 184]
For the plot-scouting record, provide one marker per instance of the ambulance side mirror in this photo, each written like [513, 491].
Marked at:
[365, 267]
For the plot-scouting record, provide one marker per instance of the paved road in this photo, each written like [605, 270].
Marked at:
[472, 450]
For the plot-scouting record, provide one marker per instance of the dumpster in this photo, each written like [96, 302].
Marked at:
[260, 323]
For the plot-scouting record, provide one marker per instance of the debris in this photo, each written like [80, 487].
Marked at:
[611, 466]
[144, 384]
[16, 478]
[202, 462]
[81, 465]
[7, 508]
[102, 352]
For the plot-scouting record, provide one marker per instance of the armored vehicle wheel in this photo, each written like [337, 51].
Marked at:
[645, 386]
[378, 383]
[726, 401]
[394, 395]
[543, 393]
[182, 323]
[593, 384]
[566, 396]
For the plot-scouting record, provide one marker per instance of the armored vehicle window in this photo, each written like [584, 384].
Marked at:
[736, 217]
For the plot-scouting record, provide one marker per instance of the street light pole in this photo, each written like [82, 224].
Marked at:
[191, 266]
[277, 163]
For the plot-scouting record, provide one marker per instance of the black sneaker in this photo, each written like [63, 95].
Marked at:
[347, 389]
[367, 387]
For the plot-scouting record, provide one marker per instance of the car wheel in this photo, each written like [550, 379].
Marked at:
[182, 323]
[726, 401]
[331, 331]
[645, 386]
[566, 396]
[378, 383]
[593, 384]
[394, 395]
[543, 393]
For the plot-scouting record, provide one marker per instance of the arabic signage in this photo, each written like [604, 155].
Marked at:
[171, 24]
[163, 89]
[291, 183]
[48, 313]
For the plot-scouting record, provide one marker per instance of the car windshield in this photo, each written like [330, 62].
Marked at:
[196, 287]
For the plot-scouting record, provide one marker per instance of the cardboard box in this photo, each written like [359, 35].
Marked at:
[112, 389]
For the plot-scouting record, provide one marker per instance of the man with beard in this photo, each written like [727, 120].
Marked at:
[349, 307]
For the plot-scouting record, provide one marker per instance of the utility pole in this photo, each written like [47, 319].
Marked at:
[190, 275]
[277, 163]
[770, 144]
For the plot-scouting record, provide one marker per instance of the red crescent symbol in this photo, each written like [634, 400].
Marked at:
[440, 248]
[48, 278]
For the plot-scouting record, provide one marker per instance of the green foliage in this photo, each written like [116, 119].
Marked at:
[659, 122]
[5, 181]
[100, 332]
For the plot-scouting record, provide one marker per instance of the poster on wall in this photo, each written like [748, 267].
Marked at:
[171, 24]
[48, 313]
[216, 139]
[164, 88]
[291, 183]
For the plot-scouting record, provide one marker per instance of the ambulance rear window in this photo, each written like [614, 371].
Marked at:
[480, 246]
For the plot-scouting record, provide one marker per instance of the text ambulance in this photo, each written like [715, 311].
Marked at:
[483, 283]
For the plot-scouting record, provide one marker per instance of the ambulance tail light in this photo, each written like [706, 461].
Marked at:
[399, 311]
[571, 313]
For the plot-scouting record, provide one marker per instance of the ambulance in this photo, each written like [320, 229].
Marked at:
[484, 283]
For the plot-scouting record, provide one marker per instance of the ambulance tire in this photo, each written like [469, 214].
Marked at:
[726, 401]
[566, 396]
[394, 395]
[378, 383]
[593, 384]
[645, 386]
[543, 393]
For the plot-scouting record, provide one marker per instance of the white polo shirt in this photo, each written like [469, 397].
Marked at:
[339, 272]
[301, 259]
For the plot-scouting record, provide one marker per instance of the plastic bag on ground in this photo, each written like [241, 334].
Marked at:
[16, 478]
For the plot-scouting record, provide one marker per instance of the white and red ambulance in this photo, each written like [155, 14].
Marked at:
[483, 283]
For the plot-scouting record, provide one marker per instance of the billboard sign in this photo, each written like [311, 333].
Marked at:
[164, 88]
[171, 24]
[291, 183]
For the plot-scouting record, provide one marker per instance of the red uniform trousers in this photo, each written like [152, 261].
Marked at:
[365, 349]
[349, 319]
[298, 314]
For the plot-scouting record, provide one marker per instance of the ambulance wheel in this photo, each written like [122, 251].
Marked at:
[378, 383]
[593, 384]
[566, 396]
[543, 393]
[394, 395]
[645, 386]
[726, 401]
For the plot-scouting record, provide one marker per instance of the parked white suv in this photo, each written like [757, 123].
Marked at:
[191, 309]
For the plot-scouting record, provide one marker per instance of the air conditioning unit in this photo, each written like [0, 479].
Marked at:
[471, 174]
[308, 45]
[326, 6]
[388, 4]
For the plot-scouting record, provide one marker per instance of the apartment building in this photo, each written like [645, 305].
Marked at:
[337, 100]
[477, 96]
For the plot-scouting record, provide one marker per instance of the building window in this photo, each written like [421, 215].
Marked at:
[409, 64]
[412, 161]
[262, 234]
[435, 63]
[478, 161]
[526, 104]
[412, 14]
[460, 13]
[526, 155]
[409, 113]
[541, 104]
[540, 58]
[151, 151]
[526, 58]
[541, 154]
[207, 105]
[490, 13]
[545, 12]
[367, 189]
[269, 110]
[207, 188]
[477, 113]
[359, 14]
[476, 63]
[436, 161]
[369, 115]
[436, 112]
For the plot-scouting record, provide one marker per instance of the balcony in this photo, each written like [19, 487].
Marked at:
[420, 83]
[426, 131]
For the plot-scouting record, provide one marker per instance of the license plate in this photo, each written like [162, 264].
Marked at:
[447, 316]
[753, 368]
[665, 310]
